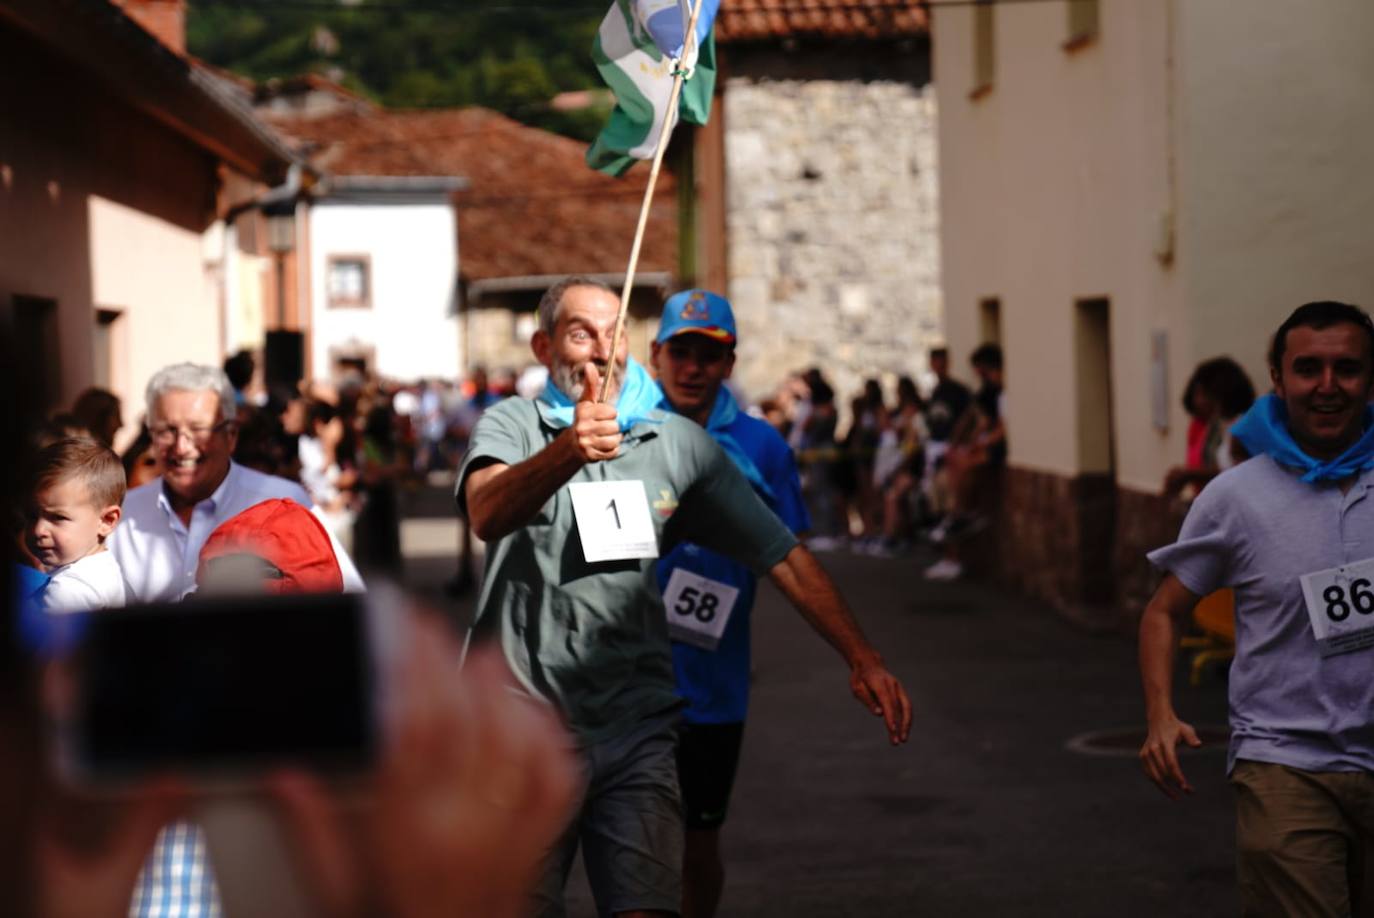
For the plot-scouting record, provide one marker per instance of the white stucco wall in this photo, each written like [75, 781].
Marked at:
[245, 277]
[1277, 122]
[154, 273]
[414, 266]
[1243, 130]
[1054, 187]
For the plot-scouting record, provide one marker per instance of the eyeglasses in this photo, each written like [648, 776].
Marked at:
[166, 436]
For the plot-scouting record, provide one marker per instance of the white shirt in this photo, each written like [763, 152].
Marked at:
[92, 582]
[320, 480]
[158, 554]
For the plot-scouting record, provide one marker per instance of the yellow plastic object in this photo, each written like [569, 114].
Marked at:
[1215, 616]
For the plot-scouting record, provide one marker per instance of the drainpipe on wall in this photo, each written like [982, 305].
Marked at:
[305, 306]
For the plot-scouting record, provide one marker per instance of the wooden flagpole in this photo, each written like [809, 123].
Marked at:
[669, 122]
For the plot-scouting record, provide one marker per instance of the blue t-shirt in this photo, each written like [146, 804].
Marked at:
[715, 683]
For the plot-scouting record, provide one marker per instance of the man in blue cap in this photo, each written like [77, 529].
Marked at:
[707, 597]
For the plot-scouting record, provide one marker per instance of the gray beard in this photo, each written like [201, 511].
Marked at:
[570, 380]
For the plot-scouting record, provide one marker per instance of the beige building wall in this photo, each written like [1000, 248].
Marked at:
[101, 207]
[1237, 140]
[153, 273]
[1276, 125]
[1056, 188]
[1164, 192]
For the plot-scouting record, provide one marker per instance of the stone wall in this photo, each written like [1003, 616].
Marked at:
[833, 228]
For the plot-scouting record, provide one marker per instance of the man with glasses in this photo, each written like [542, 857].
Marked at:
[191, 418]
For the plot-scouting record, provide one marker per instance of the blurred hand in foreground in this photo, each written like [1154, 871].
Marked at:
[476, 786]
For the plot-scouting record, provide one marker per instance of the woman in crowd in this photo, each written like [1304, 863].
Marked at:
[1217, 394]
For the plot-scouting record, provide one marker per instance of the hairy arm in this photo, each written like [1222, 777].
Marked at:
[806, 585]
[501, 498]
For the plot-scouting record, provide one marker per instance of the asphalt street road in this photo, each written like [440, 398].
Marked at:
[988, 810]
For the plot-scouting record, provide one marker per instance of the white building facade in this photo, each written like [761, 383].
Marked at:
[383, 277]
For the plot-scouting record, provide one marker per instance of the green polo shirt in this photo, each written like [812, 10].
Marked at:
[593, 638]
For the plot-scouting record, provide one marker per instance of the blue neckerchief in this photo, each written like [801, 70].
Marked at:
[723, 414]
[1264, 429]
[638, 396]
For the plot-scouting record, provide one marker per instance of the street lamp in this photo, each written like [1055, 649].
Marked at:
[281, 239]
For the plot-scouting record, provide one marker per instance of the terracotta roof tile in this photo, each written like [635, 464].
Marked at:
[765, 20]
[532, 206]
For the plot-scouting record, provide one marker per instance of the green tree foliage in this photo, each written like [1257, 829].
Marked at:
[510, 55]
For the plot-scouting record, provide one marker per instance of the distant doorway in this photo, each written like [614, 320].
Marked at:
[1096, 483]
[1093, 344]
[38, 360]
[990, 321]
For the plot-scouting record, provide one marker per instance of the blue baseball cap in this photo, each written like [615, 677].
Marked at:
[700, 312]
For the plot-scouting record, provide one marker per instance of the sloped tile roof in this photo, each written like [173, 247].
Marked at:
[532, 206]
[765, 20]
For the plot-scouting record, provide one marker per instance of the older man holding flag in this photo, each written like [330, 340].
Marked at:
[575, 500]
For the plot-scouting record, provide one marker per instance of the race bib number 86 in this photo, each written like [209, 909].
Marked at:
[1340, 605]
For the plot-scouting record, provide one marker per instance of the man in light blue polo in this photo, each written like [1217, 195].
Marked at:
[1292, 532]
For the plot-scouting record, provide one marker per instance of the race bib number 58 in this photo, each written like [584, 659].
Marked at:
[698, 608]
[1340, 604]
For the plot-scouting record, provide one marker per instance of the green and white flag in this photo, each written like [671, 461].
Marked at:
[640, 74]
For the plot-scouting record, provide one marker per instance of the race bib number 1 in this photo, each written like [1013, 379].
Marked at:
[698, 608]
[613, 520]
[1340, 604]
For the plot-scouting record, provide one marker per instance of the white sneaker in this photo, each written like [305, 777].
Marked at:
[826, 543]
[945, 569]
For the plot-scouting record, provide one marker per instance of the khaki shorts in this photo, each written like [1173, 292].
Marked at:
[1304, 841]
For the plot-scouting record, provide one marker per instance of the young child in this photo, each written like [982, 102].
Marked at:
[75, 491]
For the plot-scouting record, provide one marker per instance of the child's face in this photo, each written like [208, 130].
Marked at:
[65, 525]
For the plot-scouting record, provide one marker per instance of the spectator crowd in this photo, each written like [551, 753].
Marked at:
[910, 469]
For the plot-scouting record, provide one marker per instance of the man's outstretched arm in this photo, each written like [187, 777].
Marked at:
[809, 588]
[1158, 642]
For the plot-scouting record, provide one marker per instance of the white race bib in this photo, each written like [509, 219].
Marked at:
[1340, 603]
[613, 520]
[698, 608]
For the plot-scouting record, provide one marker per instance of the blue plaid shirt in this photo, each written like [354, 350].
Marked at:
[176, 881]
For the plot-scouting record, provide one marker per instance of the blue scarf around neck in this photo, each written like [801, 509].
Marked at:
[1264, 429]
[639, 395]
[723, 414]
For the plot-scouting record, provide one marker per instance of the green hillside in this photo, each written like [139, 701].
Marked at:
[509, 55]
